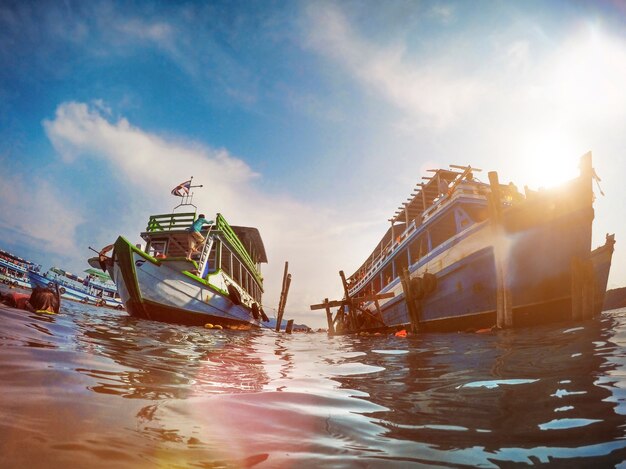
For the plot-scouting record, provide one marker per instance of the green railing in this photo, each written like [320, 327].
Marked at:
[235, 242]
[170, 221]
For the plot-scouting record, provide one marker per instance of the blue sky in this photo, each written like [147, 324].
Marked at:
[310, 120]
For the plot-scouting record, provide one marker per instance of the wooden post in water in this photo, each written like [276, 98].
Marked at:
[504, 305]
[577, 286]
[283, 296]
[405, 280]
[329, 318]
[289, 326]
[351, 312]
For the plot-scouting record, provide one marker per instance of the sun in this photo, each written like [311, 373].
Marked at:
[549, 159]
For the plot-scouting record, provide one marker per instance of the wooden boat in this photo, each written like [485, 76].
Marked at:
[95, 287]
[222, 286]
[463, 254]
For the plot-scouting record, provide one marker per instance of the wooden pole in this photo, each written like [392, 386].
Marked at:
[351, 313]
[329, 318]
[577, 284]
[289, 326]
[283, 296]
[405, 280]
[504, 305]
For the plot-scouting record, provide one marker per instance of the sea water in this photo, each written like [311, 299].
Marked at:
[94, 388]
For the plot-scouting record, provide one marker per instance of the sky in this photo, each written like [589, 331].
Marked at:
[310, 120]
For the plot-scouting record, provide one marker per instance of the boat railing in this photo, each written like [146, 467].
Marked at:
[170, 221]
[231, 237]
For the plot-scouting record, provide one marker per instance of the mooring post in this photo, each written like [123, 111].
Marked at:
[283, 296]
[504, 305]
[588, 289]
[576, 289]
[351, 312]
[289, 326]
[405, 281]
[329, 318]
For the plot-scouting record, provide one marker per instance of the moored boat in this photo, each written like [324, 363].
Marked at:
[94, 288]
[14, 270]
[463, 254]
[221, 285]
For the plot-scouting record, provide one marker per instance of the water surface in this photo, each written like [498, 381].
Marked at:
[94, 388]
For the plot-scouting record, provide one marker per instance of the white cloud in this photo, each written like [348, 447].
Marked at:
[433, 93]
[315, 240]
[37, 214]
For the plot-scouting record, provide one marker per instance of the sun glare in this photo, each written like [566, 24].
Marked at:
[549, 160]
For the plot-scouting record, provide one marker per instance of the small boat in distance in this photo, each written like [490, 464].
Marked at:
[221, 285]
[95, 288]
[14, 270]
[462, 254]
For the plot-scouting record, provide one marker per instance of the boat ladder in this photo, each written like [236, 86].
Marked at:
[206, 250]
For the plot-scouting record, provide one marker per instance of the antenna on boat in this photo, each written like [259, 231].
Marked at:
[184, 190]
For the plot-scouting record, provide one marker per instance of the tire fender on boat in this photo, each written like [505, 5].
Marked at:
[62, 290]
[264, 316]
[430, 283]
[417, 287]
[233, 294]
[255, 311]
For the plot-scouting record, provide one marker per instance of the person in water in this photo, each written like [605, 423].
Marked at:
[41, 300]
[195, 238]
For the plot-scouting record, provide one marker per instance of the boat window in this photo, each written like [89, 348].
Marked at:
[387, 274]
[418, 248]
[376, 284]
[226, 261]
[476, 212]
[442, 230]
[401, 261]
[158, 247]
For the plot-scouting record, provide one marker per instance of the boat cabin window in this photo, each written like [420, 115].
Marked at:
[442, 230]
[476, 212]
[157, 247]
[388, 274]
[401, 262]
[226, 261]
[418, 248]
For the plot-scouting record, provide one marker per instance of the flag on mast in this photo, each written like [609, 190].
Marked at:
[182, 190]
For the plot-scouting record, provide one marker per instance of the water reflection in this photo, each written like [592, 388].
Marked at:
[510, 393]
[95, 388]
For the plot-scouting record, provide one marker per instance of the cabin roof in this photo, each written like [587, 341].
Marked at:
[426, 192]
[251, 239]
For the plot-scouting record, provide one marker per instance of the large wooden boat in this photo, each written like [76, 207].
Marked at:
[221, 286]
[463, 254]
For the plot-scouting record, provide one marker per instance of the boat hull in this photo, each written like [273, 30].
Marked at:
[166, 292]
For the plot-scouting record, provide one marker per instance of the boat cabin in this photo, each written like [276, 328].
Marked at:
[237, 251]
[442, 207]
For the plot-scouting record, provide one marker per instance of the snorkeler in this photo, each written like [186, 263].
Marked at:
[41, 300]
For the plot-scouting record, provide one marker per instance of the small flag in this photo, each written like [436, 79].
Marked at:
[182, 189]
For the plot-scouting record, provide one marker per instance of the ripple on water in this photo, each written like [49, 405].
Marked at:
[93, 387]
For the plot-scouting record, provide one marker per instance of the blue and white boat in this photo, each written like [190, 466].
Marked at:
[463, 254]
[95, 287]
[14, 270]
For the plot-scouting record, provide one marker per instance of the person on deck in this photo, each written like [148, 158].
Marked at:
[195, 238]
